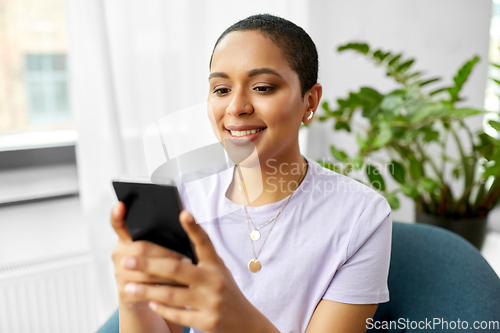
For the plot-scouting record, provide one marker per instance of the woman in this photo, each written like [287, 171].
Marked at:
[300, 249]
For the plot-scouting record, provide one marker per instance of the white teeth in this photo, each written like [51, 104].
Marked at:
[242, 133]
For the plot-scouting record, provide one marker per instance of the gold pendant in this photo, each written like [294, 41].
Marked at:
[254, 266]
[255, 235]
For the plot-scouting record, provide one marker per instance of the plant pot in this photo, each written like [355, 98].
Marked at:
[472, 229]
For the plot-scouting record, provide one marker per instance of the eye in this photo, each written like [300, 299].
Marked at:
[264, 89]
[221, 91]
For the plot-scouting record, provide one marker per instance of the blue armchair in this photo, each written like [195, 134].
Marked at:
[438, 276]
[435, 275]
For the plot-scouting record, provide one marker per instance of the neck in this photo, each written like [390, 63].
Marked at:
[270, 181]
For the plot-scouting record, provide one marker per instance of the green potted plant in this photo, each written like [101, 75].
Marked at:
[408, 132]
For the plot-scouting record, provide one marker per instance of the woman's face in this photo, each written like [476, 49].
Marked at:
[255, 95]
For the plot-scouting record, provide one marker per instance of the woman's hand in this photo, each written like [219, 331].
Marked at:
[127, 253]
[215, 302]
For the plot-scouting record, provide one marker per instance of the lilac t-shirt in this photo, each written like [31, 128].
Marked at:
[332, 241]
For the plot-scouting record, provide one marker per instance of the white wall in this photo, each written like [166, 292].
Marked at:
[440, 34]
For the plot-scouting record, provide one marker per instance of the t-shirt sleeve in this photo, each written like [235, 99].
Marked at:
[362, 279]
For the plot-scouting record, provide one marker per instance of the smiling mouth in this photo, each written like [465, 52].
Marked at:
[247, 132]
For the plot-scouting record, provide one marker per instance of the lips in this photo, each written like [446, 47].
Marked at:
[241, 134]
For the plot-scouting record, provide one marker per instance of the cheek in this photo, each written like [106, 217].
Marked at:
[215, 116]
[281, 113]
[216, 110]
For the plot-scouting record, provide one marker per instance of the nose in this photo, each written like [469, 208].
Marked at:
[240, 104]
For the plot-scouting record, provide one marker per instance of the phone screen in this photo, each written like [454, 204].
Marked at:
[153, 215]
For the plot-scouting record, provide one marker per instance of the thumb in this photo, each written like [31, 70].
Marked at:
[118, 222]
[203, 247]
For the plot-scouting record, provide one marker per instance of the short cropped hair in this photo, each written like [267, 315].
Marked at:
[296, 45]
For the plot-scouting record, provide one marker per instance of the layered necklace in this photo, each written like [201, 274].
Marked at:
[254, 265]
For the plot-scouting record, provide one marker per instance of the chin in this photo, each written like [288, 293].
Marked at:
[244, 156]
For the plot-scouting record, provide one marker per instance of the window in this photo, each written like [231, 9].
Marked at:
[34, 89]
[46, 87]
[37, 155]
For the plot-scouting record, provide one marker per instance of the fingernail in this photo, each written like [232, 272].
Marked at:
[189, 218]
[129, 262]
[130, 288]
[186, 260]
[115, 210]
[153, 305]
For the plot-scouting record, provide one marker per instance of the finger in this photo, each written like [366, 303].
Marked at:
[181, 271]
[137, 276]
[118, 222]
[187, 318]
[168, 295]
[134, 277]
[150, 249]
[203, 247]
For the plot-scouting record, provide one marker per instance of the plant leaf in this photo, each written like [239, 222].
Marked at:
[415, 74]
[384, 136]
[427, 111]
[371, 94]
[429, 81]
[397, 171]
[357, 162]
[404, 66]
[496, 81]
[495, 125]
[325, 106]
[393, 200]
[461, 78]
[361, 142]
[410, 190]
[429, 184]
[342, 125]
[492, 170]
[437, 91]
[392, 102]
[376, 179]
[359, 47]
[380, 55]
[394, 59]
[416, 169]
[431, 136]
[338, 154]
[466, 112]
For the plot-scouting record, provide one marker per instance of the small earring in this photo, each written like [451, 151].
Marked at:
[310, 116]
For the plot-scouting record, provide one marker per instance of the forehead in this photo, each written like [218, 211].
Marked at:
[248, 49]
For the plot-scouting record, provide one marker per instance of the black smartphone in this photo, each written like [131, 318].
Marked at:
[153, 215]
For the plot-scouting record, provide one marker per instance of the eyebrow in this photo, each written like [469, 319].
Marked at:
[253, 72]
[218, 74]
[259, 71]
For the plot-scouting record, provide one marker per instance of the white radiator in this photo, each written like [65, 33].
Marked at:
[51, 295]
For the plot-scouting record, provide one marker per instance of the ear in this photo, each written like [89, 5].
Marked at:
[311, 102]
